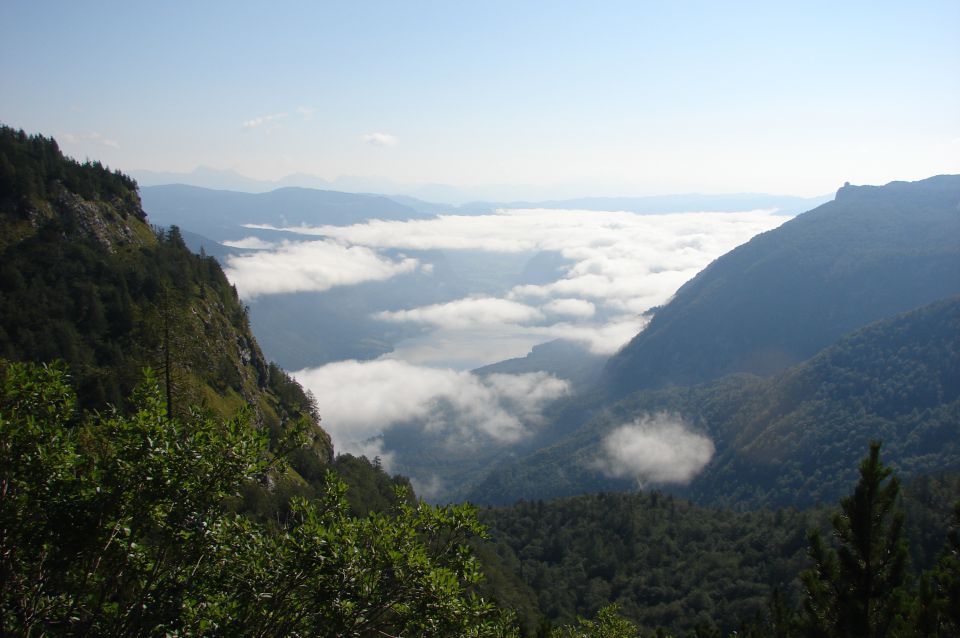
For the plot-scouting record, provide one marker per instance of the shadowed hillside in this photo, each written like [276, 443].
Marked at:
[789, 440]
[780, 298]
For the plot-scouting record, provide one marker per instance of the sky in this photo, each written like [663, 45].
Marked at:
[534, 98]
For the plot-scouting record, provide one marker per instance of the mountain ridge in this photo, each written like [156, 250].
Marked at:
[87, 280]
[787, 293]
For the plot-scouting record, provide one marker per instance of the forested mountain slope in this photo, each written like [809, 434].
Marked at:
[680, 569]
[794, 438]
[786, 294]
[87, 280]
[668, 563]
[788, 440]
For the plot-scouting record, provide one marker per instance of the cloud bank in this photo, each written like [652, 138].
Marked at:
[361, 400]
[467, 313]
[579, 308]
[626, 261]
[253, 243]
[616, 266]
[622, 265]
[603, 338]
[312, 266]
[654, 449]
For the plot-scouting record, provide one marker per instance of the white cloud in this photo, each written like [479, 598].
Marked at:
[654, 449]
[310, 266]
[622, 265]
[579, 308]
[468, 349]
[625, 261]
[428, 489]
[254, 243]
[600, 338]
[360, 400]
[263, 119]
[380, 139]
[467, 313]
[306, 112]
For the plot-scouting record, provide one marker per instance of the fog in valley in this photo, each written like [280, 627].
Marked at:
[524, 277]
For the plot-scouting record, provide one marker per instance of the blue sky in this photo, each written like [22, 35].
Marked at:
[564, 98]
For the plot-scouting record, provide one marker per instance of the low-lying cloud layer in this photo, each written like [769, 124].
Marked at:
[579, 308]
[468, 313]
[312, 266]
[360, 400]
[612, 250]
[251, 243]
[654, 449]
[622, 265]
[600, 273]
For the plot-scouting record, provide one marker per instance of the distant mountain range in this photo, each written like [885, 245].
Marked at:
[684, 203]
[442, 198]
[220, 179]
[221, 215]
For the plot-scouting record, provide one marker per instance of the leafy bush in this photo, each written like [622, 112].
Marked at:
[115, 525]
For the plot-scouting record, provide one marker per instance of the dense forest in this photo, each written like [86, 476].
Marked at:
[158, 477]
[671, 565]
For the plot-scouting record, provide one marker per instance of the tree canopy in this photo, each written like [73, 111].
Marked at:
[115, 525]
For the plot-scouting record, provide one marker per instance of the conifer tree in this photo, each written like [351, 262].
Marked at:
[945, 584]
[860, 587]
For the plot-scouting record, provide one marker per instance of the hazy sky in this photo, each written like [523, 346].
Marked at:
[592, 98]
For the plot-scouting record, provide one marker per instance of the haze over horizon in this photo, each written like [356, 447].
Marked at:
[497, 100]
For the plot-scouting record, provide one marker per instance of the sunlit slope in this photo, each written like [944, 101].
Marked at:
[778, 299]
[86, 280]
